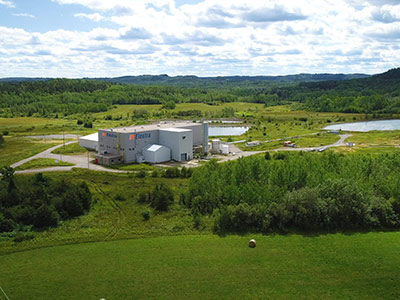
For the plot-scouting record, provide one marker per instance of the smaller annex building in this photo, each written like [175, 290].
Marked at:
[156, 153]
[151, 143]
[90, 141]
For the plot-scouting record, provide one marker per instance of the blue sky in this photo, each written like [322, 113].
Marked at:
[97, 38]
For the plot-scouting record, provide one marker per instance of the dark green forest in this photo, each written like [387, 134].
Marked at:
[298, 191]
[39, 202]
[48, 98]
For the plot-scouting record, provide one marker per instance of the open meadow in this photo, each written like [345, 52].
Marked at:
[333, 266]
[267, 123]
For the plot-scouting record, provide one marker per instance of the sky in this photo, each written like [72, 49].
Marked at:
[110, 38]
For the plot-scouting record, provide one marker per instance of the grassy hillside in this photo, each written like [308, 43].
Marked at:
[358, 266]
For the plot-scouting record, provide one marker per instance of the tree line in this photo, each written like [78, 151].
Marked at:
[298, 191]
[376, 94]
[39, 202]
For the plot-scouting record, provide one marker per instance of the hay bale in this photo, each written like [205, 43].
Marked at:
[252, 243]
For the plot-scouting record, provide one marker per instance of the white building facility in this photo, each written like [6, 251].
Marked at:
[150, 143]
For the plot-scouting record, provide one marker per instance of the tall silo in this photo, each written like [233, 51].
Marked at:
[205, 138]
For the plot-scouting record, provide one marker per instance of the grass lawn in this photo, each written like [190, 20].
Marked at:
[335, 266]
[42, 163]
[16, 148]
[70, 149]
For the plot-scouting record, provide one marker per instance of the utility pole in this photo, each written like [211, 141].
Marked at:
[63, 138]
[88, 160]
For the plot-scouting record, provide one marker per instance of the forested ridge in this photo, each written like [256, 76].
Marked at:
[376, 94]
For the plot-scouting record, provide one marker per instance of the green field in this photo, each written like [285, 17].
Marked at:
[71, 149]
[42, 163]
[16, 148]
[335, 266]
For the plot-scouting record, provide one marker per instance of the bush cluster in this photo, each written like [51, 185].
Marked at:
[39, 201]
[301, 191]
[175, 172]
[160, 198]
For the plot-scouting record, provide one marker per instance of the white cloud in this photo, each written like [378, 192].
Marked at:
[7, 3]
[96, 17]
[24, 15]
[212, 38]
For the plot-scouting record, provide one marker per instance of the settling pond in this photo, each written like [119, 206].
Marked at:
[226, 130]
[384, 125]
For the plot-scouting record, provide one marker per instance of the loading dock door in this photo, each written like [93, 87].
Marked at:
[183, 156]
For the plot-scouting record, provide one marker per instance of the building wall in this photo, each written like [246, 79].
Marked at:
[108, 142]
[133, 143]
[179, 143]
[160, 155]
[197, 130]
[89, 144]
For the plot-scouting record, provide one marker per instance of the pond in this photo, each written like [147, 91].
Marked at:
[383, 125]
[226, 130]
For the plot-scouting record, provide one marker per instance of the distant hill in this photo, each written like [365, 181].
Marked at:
[23, 79]
[191, 80]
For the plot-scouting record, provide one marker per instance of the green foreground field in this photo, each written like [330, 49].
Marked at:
[335, 266]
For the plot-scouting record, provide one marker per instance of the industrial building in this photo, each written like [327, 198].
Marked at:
[151, 143]
[90, 141]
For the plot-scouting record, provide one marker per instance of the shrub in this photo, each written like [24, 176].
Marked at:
[146, 215]
[162, 197]
[46, 216]
[6, 225]
[267, 156]
[198, 222]
[172, 172]
[141, 174]
[79, 122]
[23, 236]
[5, 132]
[169, 105]
[88, 125]
[143, 197]
[119, 197]
[280, 156]
[140, 113]
[154, 173]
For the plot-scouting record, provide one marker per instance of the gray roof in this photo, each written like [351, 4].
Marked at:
[162, 125]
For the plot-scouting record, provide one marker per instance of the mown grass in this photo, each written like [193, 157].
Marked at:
[24, 126]
[70, 149]
[42, 163]
[335, 266]
[16, 148]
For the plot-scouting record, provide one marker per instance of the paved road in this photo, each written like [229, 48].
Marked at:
[339, 143]
[240, 153]
[79, 161]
